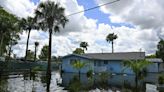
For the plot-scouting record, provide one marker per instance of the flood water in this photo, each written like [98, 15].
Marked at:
[36, 82]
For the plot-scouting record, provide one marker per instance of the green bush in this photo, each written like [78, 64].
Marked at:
[36, 68]
[161, 79]
[90, 74]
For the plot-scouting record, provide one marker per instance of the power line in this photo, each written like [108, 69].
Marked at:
[93, 7]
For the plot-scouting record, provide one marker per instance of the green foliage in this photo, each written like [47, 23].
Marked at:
[27, 25]
[90, 74]
[77, 64]
[104, 76]
[160, 51]
[103, 80]
[9, 31]
[110, 38]
[161, 78]
[36, 68]
[75, 85]
[84, 45]
[78, 51]
[50, 17]
[36, 44]
[136, 65]
[44, 53]
[151, 56]
[30, 55]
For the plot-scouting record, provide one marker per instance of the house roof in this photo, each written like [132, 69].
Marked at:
[155, 60]
[116, 56]
[112, 56]
[77, 55]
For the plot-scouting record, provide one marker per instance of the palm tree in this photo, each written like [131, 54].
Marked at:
[137, 66]
[28, 24]
[84, 45]
[110, 38]
[77, 64]
[79, 51]
[36, 45]
[50, 17]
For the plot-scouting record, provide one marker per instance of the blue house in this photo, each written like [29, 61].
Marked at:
[110, 62]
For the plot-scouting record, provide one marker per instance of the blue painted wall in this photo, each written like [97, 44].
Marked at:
[153, 67]
[113, 66]
[67, 67]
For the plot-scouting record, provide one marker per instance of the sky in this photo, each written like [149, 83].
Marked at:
[138, 24]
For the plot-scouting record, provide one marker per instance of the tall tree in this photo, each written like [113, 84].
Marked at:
[110, 38]
[30, 55]
[8, 27]
[160, 51]
[84, 45]
[78, 51]
[28, 24]
[13, 41]
[36, 47]
[14, 37]
[50, 16]
[43, 55]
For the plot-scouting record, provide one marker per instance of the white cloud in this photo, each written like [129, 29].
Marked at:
[21, 8]
[81, 28]
[147, 14]
[116, 19]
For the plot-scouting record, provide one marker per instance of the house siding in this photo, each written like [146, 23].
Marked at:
[161, 67]
[153, 67]
[98, 65]
[114, 66]
[67, 67]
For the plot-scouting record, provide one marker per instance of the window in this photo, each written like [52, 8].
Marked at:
[94, 63]
[105, 62]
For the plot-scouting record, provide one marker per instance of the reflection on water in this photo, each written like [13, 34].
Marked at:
[123, 83]
[29, 82]
[36, 82]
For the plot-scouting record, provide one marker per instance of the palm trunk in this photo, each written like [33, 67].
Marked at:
[35, 54]
[48, 84]
[112, 47]
[49, 61]
[136, 81]
[49, 52]
[27, 43]
[79, 74]
[10, 51]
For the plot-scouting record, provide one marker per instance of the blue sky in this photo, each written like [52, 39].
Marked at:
[35, 1]
[144, 32]
[97, 14]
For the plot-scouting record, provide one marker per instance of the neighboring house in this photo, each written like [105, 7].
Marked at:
[99, 62]
[157, 65]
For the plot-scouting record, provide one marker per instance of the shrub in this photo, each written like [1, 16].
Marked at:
[161, 79]
[90, 74]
